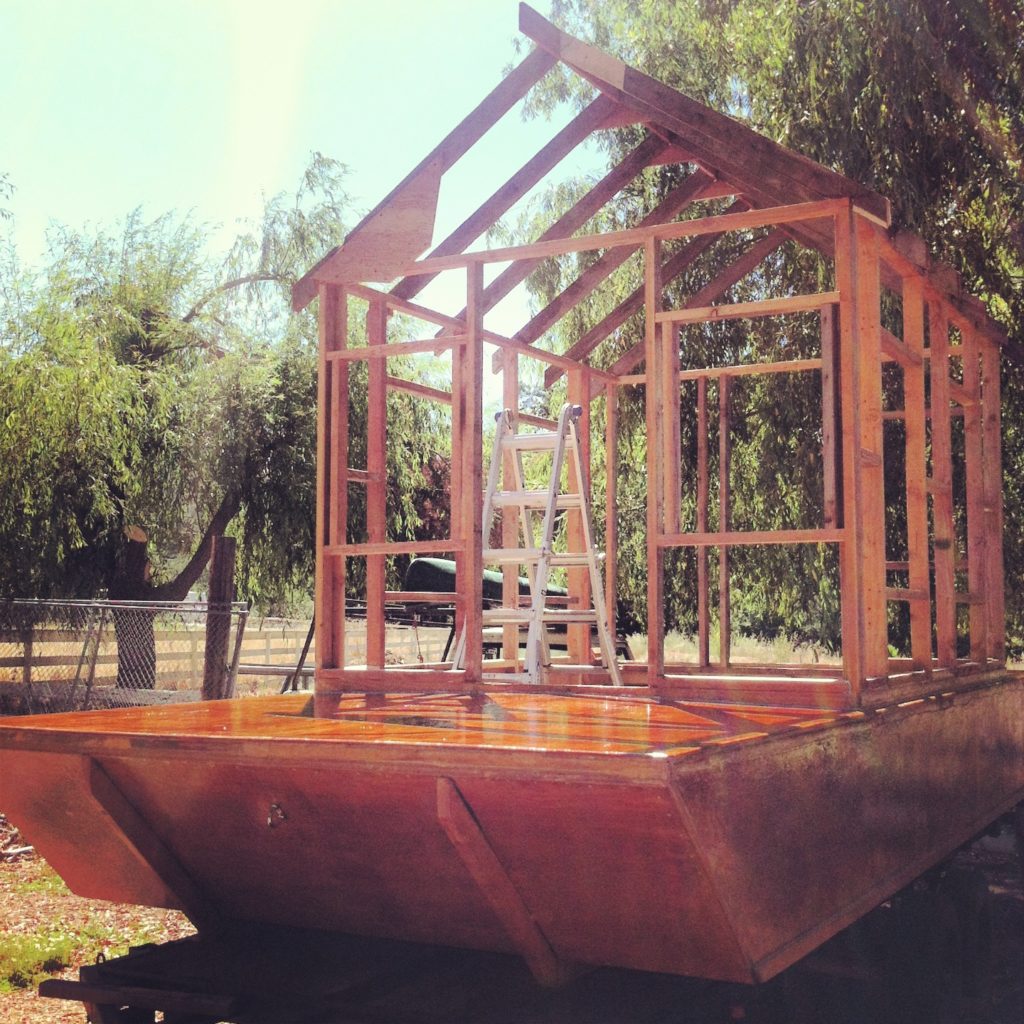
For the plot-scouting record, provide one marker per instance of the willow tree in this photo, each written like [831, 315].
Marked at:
[153, 397]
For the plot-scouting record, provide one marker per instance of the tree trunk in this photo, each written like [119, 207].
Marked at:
[133, 627]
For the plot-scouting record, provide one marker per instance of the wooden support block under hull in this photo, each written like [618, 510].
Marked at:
[629, 832]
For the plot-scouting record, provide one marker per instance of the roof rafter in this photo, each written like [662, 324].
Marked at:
[634, 302]
[575, 132]
[679, 198]
[739, 153]
[336, 266]
[574, 218]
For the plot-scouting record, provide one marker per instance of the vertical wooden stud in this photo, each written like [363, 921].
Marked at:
[871, 450]
[455, 486]
[469, 399]
[376, 486]
[977, 558]
[914, 415]
[849, 550]
[992, 482]
[611, 478]
[724, 522]
[331, 481]
[509, 517]
[655, 484]
[943, 535]
[578, 635]
[672, 448]
[862, 556]
[703, 623]
[829, 325]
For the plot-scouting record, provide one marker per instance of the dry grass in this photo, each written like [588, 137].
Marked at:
[744, 650]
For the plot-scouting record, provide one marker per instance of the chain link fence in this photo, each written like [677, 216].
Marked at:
[75, 655]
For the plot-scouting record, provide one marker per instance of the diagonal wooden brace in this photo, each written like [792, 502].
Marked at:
[147, 846]
[462, 828]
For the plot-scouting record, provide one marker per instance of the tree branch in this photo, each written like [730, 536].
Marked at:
[227, 286]
[178, 588]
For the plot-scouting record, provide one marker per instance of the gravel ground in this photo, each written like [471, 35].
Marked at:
[34, 902]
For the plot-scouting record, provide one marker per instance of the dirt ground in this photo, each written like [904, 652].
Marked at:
[34, 902]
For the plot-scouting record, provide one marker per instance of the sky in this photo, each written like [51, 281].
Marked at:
[209, 106]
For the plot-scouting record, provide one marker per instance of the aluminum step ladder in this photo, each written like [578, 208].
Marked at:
[538, 554]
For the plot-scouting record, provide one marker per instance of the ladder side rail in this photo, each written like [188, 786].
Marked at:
[605, 641]
[529, 539]
[537, 626]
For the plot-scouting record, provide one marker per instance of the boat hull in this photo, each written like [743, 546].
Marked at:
[728, 856]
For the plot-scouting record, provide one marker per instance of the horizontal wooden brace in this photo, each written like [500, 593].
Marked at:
[420, 596]
[737, 310]
[749, 369]
[421, 390]
[397, 547]
[902, 594]
[735, 538]
[395, 348]
[764, 217]
[900, 414]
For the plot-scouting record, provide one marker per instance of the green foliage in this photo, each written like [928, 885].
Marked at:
[144, 383]
[920, 100]
[26, 959]
[29, 957]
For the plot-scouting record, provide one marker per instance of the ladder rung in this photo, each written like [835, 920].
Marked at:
[548, 615]
[536, 499]
[511, 555]
[569, 615]
[571, 557]
[516, 556]
[564, 666]
[506, 615]
[543, 440]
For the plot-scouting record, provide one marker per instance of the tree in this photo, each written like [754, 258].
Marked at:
[6, 190]
[139, 384]
[920, 100]
[153, 398]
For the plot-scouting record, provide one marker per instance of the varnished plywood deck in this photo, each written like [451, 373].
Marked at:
[515, 722]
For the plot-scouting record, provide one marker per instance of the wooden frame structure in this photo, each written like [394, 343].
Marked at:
[944, 348]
